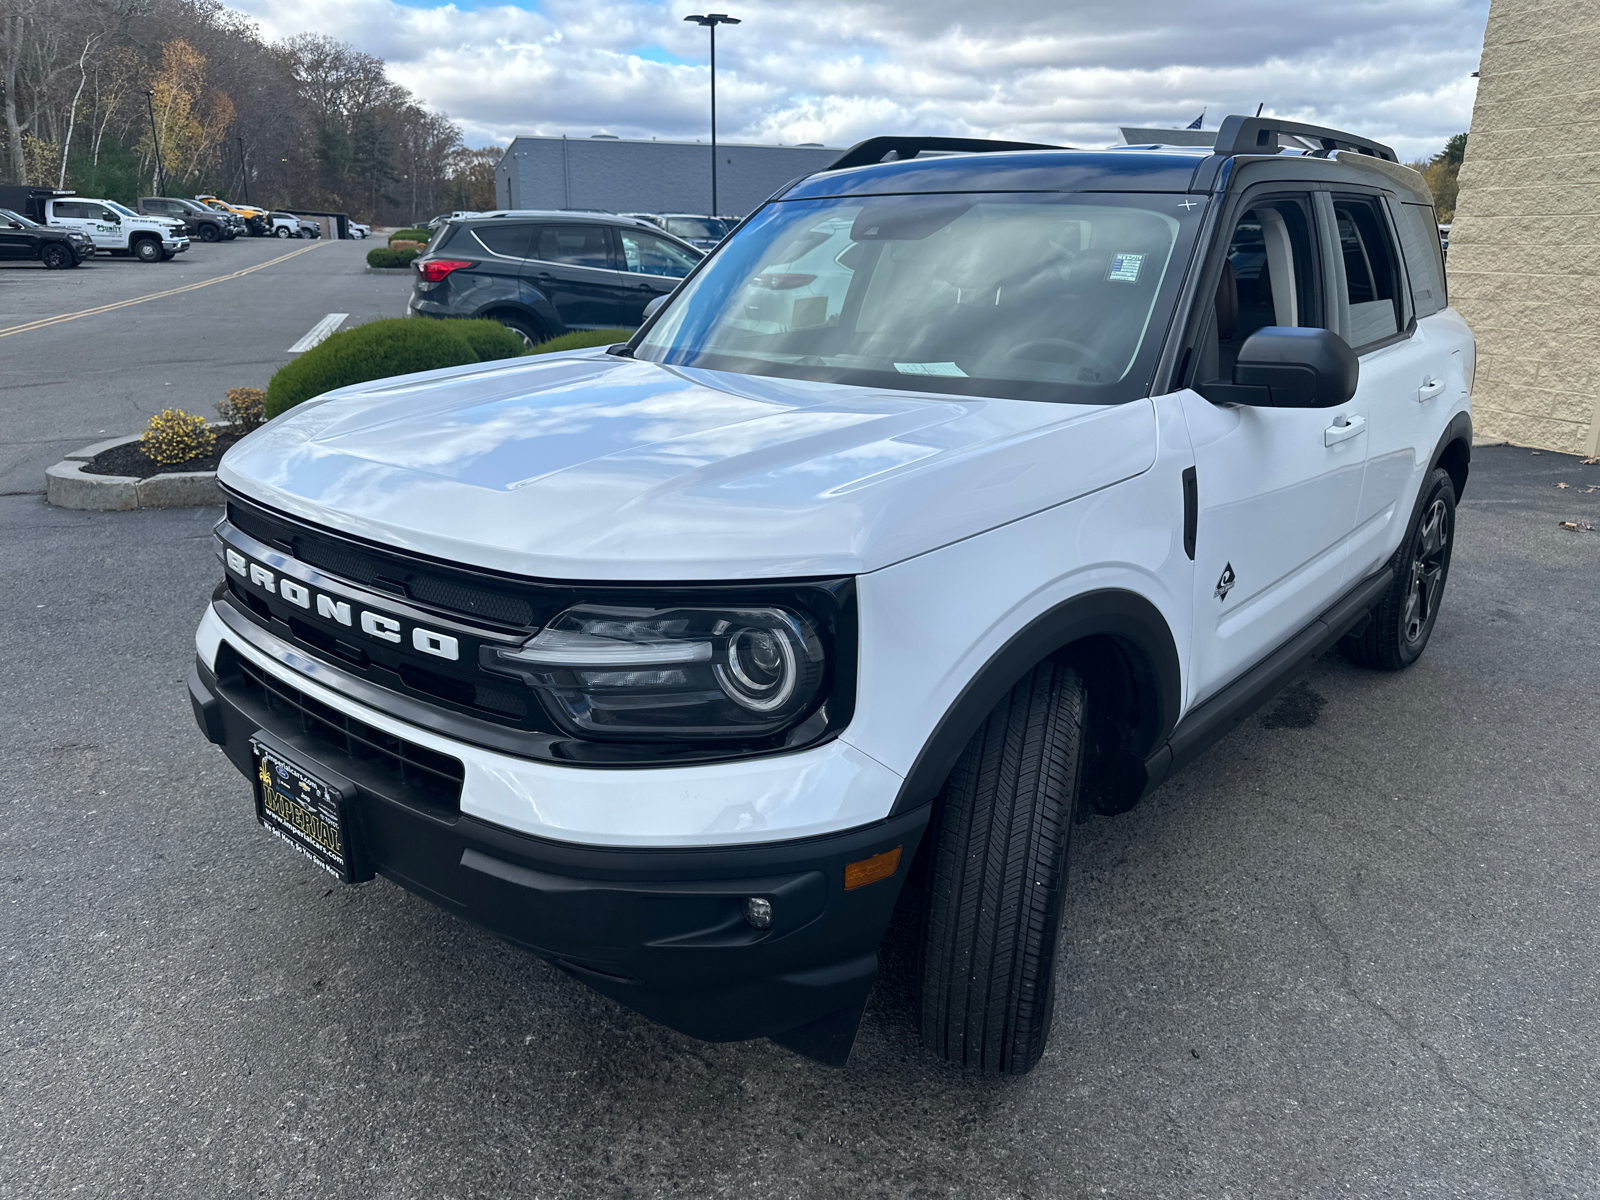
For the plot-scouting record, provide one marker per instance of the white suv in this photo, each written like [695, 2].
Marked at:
[952, 500]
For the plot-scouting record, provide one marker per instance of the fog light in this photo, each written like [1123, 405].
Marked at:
[758, 912]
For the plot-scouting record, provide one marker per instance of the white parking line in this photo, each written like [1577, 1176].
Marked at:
[318, 331]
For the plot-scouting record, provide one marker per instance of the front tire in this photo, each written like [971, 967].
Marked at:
[147, 250]
[997, 878]
[58, 257]
[209, 233]
[1404, 619]
[281, 232]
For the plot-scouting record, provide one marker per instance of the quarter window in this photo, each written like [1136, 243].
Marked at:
[1371, 271]
[575, 245]
[645, 254]
[508, 241]
[1419, 243]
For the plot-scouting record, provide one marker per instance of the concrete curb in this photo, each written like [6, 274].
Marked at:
[67, 485]
[390, 271]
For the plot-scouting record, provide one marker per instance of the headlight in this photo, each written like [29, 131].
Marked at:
[637, 674]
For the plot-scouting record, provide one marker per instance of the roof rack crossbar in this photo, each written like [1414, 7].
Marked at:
[875, 150]
[1259, 135]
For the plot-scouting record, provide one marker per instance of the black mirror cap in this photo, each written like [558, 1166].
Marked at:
[1298, 368]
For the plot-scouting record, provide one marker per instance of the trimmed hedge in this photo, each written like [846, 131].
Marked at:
[582, 340]
[411, 235]
[382, 256]
[380, 349]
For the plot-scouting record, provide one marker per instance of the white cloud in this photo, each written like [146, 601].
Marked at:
[833, 71]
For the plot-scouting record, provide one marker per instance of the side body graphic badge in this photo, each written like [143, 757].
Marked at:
[1225, 584]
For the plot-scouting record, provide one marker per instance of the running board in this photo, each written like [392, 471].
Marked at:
[1217, 717]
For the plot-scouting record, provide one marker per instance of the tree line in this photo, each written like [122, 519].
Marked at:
[1442, 171]
[125, 98]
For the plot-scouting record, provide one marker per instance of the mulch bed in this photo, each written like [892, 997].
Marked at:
[128, 459]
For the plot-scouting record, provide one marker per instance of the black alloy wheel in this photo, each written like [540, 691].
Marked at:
[210, 233]
[57, 257]
[997, 877]
[147, 249]
[1398, 632]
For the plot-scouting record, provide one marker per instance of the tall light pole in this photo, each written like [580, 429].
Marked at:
[155, 140]
[711, 21]
[244, 171]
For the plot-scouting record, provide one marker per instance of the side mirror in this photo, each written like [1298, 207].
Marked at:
[654, 306]
[1284, 367]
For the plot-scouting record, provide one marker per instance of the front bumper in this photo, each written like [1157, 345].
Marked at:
[659, 929]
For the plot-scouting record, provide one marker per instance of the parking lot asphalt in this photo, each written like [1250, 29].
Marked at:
[160, 335]
[1350, 952]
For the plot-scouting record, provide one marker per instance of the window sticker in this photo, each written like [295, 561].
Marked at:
[947, 369]
[1125, 268]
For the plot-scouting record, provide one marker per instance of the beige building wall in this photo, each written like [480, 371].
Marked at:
[1525, 244]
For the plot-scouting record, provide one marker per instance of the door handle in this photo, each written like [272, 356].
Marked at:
[1430, 389]
[1335, 434]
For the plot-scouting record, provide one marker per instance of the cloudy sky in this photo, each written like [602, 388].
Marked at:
[835, 71]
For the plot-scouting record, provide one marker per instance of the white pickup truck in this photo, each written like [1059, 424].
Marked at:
[116, 229]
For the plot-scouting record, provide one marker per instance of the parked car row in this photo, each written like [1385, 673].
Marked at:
[62, 229]
[544, 274]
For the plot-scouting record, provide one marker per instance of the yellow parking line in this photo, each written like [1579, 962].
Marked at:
[188, 287]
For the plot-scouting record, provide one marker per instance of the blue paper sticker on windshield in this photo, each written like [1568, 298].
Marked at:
[1125, 268]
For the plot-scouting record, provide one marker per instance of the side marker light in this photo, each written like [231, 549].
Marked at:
[870, 870]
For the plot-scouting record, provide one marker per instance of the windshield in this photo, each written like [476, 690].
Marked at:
[115, 207]
[1036, 296]
[18, 218]
[697, 227]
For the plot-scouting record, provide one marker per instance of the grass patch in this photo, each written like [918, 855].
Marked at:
[582, 340]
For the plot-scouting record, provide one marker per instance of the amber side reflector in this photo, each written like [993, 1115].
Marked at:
[870, 870]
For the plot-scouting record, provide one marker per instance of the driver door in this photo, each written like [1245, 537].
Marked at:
[1277, 488]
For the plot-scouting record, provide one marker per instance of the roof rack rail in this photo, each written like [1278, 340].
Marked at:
[1259, 135]
[875, 150]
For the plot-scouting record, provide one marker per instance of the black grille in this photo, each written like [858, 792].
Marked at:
[403, 770]
[467, 593]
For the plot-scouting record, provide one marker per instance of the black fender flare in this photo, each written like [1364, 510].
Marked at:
[1124, 617]
[1454, 452]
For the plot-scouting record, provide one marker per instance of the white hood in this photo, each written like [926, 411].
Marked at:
[591, 467]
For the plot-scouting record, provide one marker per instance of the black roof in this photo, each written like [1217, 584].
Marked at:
[1168, 169]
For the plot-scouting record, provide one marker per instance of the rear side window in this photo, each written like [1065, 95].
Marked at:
[1419, 243]
[69, 208]
[1371, 271]
[508, 241]
[574, 245]
[646, 254]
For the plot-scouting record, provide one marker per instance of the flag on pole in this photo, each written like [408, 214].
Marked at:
[1195, 124]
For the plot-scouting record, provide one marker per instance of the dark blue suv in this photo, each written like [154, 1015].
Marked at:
[544, 274]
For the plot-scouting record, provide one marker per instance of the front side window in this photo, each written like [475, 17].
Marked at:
[118, 208]
[1038, 296]
[1372, 275]
[574, 245]
[646, 254]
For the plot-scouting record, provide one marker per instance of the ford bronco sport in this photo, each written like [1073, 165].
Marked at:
[956, 497]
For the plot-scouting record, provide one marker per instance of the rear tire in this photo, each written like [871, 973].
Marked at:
[57, 257]
[281, 232]
[147, 249]
[1403, 621]
[209, 233]
[520, 325]
[997, 878]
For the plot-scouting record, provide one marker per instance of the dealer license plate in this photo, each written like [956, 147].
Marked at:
[303, 810]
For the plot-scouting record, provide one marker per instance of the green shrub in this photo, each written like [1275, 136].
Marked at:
[582, 340]
[382, 256]
[174, 436]
[379, 349]
[411, 235]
